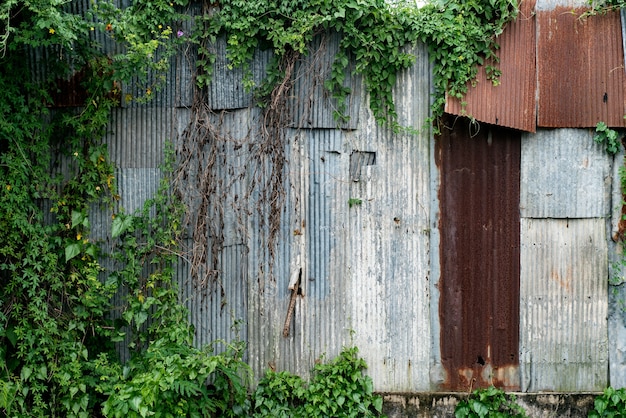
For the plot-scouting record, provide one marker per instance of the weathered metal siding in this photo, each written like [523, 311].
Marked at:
[565, 174]
[565, 204]
[580, 69]
[564, 305]
[389, 242]
[313, 105]
[479, 250]
[364, 267]
[512, 103]
[562, 71]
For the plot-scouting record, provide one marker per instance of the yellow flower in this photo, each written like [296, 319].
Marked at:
[78, 236]
[92, 28]
[97, 188]
[76, 154]
[8, 187]
[148, 91]
[160, 27]
[51, 31]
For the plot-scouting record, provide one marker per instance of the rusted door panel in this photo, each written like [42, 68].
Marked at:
[479, 227]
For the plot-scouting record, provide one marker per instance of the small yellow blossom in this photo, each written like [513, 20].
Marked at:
[8, 187]
[97, 188]
[148, 91]
[75, 154]
[51, 31]
[160, 26]
[79, 236]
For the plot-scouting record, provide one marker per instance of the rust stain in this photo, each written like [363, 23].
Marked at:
[580, 69]
[559, 70]
[511, 103]
[563, 280]
[479, 229]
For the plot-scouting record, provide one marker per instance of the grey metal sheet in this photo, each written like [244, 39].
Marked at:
[563, 341]
[565, 174]
[311, 104]
[226, 91]
[137, 136]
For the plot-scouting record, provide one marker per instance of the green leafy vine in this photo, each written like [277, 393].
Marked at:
[461, 35]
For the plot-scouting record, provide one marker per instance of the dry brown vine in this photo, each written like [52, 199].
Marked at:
[201, 184]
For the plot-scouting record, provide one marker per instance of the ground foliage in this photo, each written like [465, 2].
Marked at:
[58, 327]
[489, 403]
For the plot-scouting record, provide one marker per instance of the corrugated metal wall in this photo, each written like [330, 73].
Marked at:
[479, 228]
[565, 202]
[360, 231]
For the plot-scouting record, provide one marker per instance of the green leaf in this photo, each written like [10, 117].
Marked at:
[72, 250]
[79, 218]
[121, 224]
[25, 373]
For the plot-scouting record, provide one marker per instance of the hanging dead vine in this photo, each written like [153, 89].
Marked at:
[205, 177]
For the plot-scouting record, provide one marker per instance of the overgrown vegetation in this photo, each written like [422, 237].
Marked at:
[460, 35]
[337, 389]
[72, 300]
[489, 403]
[611, 403]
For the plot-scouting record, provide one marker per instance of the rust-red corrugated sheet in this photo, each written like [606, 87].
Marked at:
[480, 255]
[512, 102]
[578, 78]
[580, 68]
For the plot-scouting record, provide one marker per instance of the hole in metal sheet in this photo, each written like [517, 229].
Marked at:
[360, 159]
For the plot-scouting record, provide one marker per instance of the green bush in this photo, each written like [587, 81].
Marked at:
[612, 403]
[337, 389]
[490, 403]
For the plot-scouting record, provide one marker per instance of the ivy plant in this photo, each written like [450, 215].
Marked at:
[489, 403]
[611, 403]
[460, 35]
[337, 389]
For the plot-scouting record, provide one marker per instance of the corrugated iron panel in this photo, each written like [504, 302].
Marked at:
[565, 174]
[363, 268]
[226, 91]
[617, 336]
[553, 4]
[217, 296]
[306, 248]
[563, 341]
[389, 240]
[580, 67]
[311, 104]
[479, 250]
[512, 103]
[137, 135]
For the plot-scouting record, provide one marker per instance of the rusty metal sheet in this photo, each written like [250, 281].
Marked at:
[580, 67]
[479, 253]
[512, 102]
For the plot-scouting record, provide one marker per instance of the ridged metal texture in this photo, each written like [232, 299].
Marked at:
[563, 302]
[311, 104]
[361, 247]
[565, 203]
[580, 69]
[479, 255]
[579, 79]
[565, 174]
[512, 103]
[226, 89]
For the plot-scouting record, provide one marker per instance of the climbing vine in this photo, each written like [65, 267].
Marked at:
[60, 333]
[460, 35]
